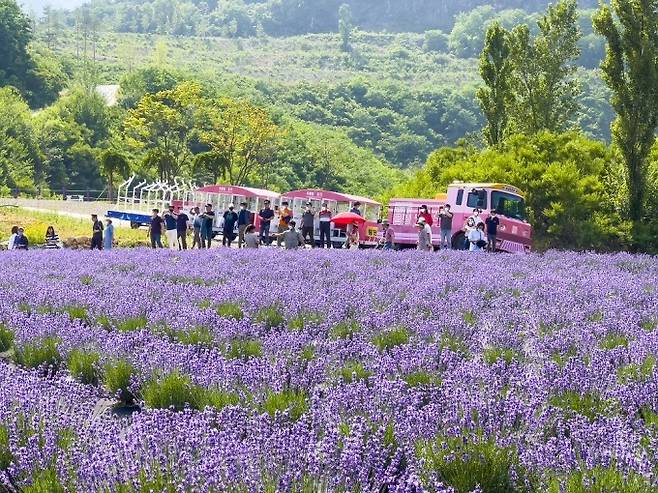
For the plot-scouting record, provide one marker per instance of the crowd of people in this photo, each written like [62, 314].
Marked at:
[176, 225]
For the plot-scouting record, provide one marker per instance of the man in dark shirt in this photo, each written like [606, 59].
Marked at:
[96, 233]
[208, 218]
[21, 242]
[325, 225]
[266, 214]
[355, 209]
[171, 226]
[492, 223]
[308, 225]
[244, 220]
[181, 229]
[155, 229]
[445, 225]
[228, 232]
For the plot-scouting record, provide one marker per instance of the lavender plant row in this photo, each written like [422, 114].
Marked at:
[336, 371]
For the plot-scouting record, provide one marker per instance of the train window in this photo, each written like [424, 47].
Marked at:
[477, 199]
[460, 197]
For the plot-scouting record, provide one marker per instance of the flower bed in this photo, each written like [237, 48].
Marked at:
[327, 371]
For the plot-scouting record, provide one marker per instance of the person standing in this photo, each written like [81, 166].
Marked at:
[492, 223]
[208, 218]
[424, 236]
[251, 239]
[21, 242]
[197, 223]
[182, 224]
[355, 209]
[108, 240]
[325, 226]
[171, 228]
[244, 220]
[285, 216]
[11, 245]
[388, 236]
[353, 237]
[424, 213]
[155, 229]
[52, 239]
[477, 239]
[265, 215]
[228, 229]
[308, 224]
[476, 217]
[96, 233]
[292, 238]
[445, 225]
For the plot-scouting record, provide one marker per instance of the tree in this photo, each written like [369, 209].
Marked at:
[630, 69]
[345, 27]
[241, 136]
[209, 166]
[113, 163]
[544, 67]
[496, 70]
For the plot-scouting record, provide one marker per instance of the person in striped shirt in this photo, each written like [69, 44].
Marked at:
[52, 240]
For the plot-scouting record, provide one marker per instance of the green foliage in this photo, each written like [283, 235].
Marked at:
[230, 310]
[421, 378]
[84, 366]
[6, 338]
[354, 371]
[630, 69]
[466, 462]
[39, 353]
[305, 319]
[588, 404]
[345, 329]
[45, 481]
[132, 324]
[613, 340]
[173, 390]
[345, 27]
[601, 480]
[76, 312]
[117, 377]
[196, 336]
[294, 402]
[634, 372]
[216, 398]
[396, 336]
[495, 354]
[244, 349]
[6, 455]
[270, 316]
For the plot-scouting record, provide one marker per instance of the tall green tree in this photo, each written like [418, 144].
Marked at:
[112, 164]
[630, 69]
[345, 27]
[497, 97]
[544, 71]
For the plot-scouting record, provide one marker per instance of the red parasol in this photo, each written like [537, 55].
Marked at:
[345, 218]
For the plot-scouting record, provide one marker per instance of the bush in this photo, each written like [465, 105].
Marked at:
[6, 338]
[601, 480]
[270, 316]
[117, 378]
[304, 319]
[214, 398]
[292, 401]
[76, 312]
[421, 378]
[588, 404]
[344, 330]
[354, 371]
[42, 353]
[197, 336]
[495, 354]
[174, 390]
[230, 310]
[465, 463]
[83, 365]
[436, 40]
[391, 338]
[132, 324]
[244, 349]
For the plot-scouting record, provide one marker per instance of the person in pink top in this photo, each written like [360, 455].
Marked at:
[424, 213]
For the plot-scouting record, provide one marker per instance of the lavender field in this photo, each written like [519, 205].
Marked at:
[318, 371]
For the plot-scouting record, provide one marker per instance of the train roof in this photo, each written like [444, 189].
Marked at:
[317, 194]
[418, 202]
[240, 191]
[501, 186]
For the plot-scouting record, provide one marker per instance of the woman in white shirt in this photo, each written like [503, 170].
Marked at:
[477, 236]
[12, 238]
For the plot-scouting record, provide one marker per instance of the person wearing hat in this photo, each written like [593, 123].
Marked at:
[20, 242]
[265, 215]
[388, 235]
[424, 235]
[228, 231]
[325, 225]
[171, 229]
[244, 220]
[285, 216]
[208, 218]
[96, 233]
[308, 224]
